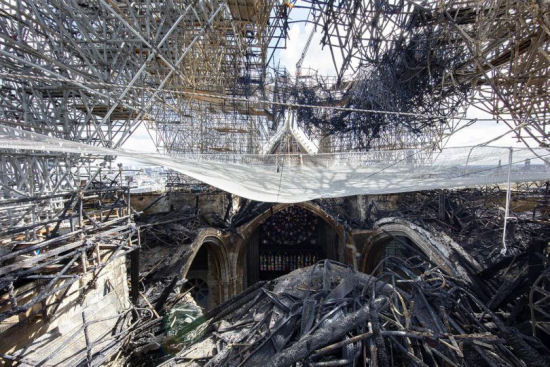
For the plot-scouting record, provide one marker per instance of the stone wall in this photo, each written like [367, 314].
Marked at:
[361, 223]
[61, 339]
[208, 205]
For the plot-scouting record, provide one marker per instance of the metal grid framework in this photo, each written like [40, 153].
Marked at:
[94, 71]
[196, 74]
[335, 92]
[45, 258]
[429, 57]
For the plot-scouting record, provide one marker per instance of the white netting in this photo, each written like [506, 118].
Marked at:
[300, 177]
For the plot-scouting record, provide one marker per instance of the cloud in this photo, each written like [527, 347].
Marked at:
[481, 132]
[317, 57]
[140, 141]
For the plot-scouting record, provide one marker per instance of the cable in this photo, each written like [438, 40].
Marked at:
[224, 97]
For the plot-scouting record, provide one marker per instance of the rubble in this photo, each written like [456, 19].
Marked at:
[107, 261]
[330, 315]
[470, 306]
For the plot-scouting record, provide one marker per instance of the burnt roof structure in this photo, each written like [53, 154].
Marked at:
[203, 77]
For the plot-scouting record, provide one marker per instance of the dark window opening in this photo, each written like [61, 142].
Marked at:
[197, 278]
[290, 239]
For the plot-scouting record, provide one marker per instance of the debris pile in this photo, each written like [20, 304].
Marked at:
[330, 315]
[475, 217]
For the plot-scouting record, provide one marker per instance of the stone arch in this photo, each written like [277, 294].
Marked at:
[218, 267]
[439, 249]
[346, 247]
[259, 219]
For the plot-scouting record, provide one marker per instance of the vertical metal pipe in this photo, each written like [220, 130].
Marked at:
[507, 209]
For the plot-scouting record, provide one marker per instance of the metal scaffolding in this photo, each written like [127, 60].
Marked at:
[201, 76]
[431, 57]
[94, 71]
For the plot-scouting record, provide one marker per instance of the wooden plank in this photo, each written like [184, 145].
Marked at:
[27, 262]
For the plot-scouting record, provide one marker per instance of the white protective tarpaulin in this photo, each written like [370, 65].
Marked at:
[296, 177]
